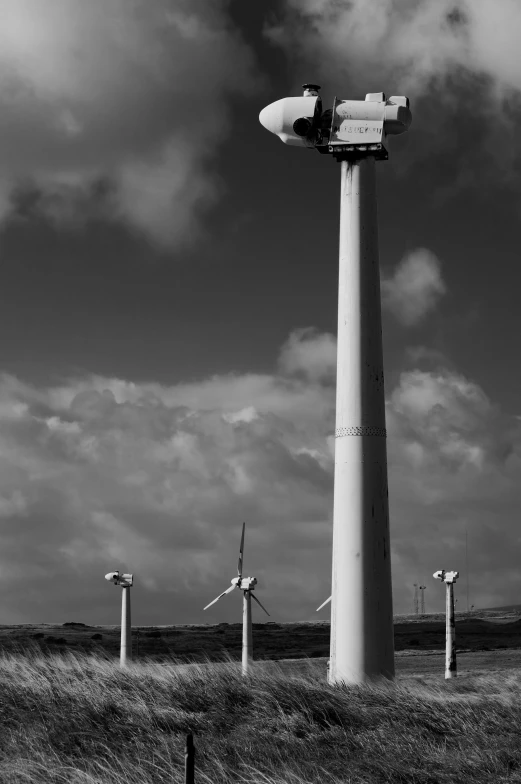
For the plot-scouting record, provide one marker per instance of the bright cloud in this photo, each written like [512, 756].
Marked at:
[414, 43]
[102, 104]
[309, 353]
[415, 288]
[102, 473]
[457, 60]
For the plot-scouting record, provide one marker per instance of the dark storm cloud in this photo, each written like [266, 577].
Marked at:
[457, 60]
[115, 108]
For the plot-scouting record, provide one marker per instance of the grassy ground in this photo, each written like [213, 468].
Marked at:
[75, 718]
[483, 631]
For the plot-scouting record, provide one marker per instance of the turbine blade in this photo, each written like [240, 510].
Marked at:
[324, 604]
[228, 590]
[260, 605]
[241, 553]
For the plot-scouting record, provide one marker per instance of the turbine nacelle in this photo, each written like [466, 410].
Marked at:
[124, 580]
[352, 129]
[246, 583]
[446, 577]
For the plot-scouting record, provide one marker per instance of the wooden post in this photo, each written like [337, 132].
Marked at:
[189, 759]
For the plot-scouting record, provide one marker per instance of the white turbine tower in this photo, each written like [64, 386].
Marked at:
[449, 578]
[356, 133]
[125, 581]
[246, 585]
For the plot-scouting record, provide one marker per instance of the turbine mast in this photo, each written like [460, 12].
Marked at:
[247, 633]
[422, 600]
[126, 627]
[362, 641]
[467, 566]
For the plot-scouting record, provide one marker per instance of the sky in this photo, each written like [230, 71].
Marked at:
[169, 275]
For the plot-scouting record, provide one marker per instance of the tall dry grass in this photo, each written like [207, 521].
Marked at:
[75, 719]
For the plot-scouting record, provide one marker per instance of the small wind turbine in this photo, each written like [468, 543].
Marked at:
[246, 585]
[126, 581]
[324, 604]
[449, 578]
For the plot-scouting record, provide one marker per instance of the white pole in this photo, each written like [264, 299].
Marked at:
[126, 627]
[450, 635]
[247, 636]
[362, 644]
[467, 565]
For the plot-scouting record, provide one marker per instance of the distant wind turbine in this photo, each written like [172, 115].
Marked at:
[449, 578]
[246, 585]
[125, 581]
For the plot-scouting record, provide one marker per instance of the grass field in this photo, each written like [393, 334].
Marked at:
[77, 718]
[69, 714]
[483, 631]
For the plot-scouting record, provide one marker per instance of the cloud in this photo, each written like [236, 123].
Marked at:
[454, 464]
[430, 356]
[104, 106]
[455, 59]
[415, 43]
[102, 473]
[309, 353]
[415, 288]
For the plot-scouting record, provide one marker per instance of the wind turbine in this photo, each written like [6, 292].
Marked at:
[126, 581]
[449, 578]
[357, 134]
[246, 585]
